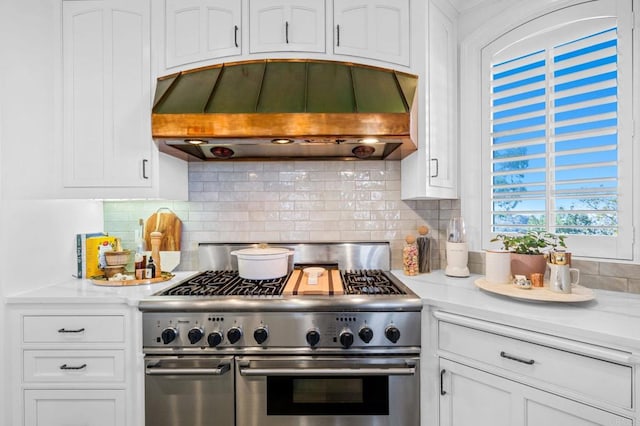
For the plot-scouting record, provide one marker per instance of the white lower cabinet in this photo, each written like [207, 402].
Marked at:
[75, 365]
[74, 408]
[470, 396]
[497, 375]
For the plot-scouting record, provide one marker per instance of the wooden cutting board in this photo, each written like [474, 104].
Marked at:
[329, 283]
[171, 227]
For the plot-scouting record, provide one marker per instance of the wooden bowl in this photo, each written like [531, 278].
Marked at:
[117, 258]
[110, 271]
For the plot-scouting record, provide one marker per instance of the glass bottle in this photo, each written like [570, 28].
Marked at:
[410, 256]
[424, 250]
[151, 268]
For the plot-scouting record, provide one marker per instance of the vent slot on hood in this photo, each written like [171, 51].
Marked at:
[318, 105]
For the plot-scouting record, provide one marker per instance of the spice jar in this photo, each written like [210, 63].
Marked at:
[410, 256]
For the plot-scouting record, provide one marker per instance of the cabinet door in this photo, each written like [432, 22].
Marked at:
[377, 30]
[198, 30]
[286, 25]
[431, 172]
[469, 397]
[106, 93]
[473, 397]
[442, 100]
[74, 407]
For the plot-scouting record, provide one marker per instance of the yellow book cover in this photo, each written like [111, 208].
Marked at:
[93, 245]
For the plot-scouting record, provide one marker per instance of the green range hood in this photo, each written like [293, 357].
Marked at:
[286, 109]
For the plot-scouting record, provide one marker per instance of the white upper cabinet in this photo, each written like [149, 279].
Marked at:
[432, 171]
[373, 29]
[106, 93]
[197, 30]
[106, 104]
[286, 25]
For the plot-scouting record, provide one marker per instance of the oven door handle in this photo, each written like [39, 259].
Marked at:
[327, 372]
[157, 370]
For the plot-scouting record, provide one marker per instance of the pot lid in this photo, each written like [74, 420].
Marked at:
[257, 252]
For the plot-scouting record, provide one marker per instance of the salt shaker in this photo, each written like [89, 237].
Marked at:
[410, 256]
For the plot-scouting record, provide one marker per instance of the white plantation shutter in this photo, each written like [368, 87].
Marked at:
[559, 108]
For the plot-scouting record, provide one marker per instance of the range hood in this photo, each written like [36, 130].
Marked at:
[286, 109]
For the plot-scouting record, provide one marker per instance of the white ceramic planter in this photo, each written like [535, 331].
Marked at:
[263, 263]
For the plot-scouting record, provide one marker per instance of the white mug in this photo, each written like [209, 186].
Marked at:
[497, 266]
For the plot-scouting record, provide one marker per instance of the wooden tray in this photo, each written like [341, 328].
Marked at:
[329, 283]
[102, 280]
[578, 293]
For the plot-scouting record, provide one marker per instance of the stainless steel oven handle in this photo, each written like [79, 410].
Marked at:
[160, 371]
[393, 371]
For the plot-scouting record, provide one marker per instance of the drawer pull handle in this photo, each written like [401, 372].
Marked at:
[442, 391]
[64, 330]
[69, 367]
[503, 354]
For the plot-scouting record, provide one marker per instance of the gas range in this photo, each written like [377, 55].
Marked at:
[367, 308]
[267, 352]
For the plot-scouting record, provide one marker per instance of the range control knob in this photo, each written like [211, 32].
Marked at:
[234, 334]
[346, 338]
[366, 334]
[169, 334]
[261, 334]
[195, 334]
[392, 333]
[215, 338]
[313, 337]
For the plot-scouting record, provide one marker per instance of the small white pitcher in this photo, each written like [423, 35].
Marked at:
[562, 278]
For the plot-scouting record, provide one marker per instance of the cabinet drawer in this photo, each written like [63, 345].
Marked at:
[47, 407]
[73, 366]
[592, 377]
[73, 329]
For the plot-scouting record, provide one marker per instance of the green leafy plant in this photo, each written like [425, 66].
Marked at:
[531, 242]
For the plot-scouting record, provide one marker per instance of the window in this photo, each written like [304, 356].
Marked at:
[557, 133]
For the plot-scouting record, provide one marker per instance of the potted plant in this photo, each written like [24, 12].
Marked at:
[529, 250]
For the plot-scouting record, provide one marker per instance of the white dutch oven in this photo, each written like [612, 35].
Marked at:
[263, 263]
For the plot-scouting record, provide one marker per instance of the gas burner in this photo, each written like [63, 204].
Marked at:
[369, 281]
[244, 287]
[225, 283]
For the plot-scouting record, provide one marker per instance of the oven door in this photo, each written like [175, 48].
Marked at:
[328, 391]
[189, 390]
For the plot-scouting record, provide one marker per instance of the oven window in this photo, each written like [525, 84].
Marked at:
[327, 391]
[328, 395]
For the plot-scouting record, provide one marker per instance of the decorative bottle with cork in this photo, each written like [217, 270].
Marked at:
[424, 250]
[410, 256]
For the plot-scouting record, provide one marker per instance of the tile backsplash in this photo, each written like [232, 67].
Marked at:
[301, 201]
[291, 201]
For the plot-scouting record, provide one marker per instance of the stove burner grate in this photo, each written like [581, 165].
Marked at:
[229, 283]
[368, 281]
[226, 283]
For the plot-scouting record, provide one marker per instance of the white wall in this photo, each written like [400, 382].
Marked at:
[37, 234]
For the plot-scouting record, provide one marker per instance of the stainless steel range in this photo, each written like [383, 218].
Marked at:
[223, 350]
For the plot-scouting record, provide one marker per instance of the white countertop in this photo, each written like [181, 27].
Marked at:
[84, 291]
[612, 319]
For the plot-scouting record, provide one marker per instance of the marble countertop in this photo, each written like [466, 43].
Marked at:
[612, 319]
[85, 291]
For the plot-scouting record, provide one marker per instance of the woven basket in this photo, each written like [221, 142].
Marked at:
[115, 258]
